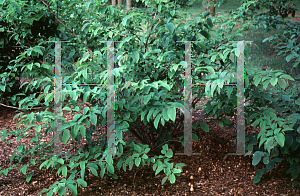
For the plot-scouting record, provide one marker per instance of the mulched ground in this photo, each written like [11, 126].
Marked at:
[211, 173]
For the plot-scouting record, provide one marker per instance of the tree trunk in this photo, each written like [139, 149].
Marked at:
[113, 2]
[120, 2]
[212, 7]
[128, 4]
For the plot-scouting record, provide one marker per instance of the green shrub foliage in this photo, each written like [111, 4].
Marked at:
[149, 87]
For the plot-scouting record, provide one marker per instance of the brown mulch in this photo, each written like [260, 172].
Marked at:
[211, 173]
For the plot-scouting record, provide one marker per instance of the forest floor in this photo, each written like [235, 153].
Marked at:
[211, 173]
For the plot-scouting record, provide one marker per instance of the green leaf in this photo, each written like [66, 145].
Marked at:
[146, 99]
[159, 8]
[280, 139]
[273, 81]
[72, 188]
[102, 172]
[2, 88]
[195, 137]
[73, 95]
[28, 178]
[205, 34]
[257, 80]
[257, 157]
[82, 130]
[159, 169]
[266, 84]
[206, 13]
[209, 22]
[66, 136]
[137, 148]
[295, 183]
[172, 113]
[172, 178]
[204, 126]
[282, 83]
[110, 168]
[136, 56]
[85, 110]
[165, 114]
[81, 182]
[256, 179]
[156, 121]
[169, 153]
[30, 66]
[170, 27]
[172, 12]
[85, 96]
[94, 171]
[38, 118]
[93, 118]
[289, 57]
[85, 57]
[138, 161]
[84, 73]
[64, 170]
[164, 180]
[49, 97]
[210, 69]
[297, 101]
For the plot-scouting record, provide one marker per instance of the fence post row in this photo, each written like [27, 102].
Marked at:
[111, 139]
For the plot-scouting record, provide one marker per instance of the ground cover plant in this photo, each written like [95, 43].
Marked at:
[149, 105]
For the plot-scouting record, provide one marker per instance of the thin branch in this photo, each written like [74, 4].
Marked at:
[91, 52]
[23, 108]
[154, 18]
